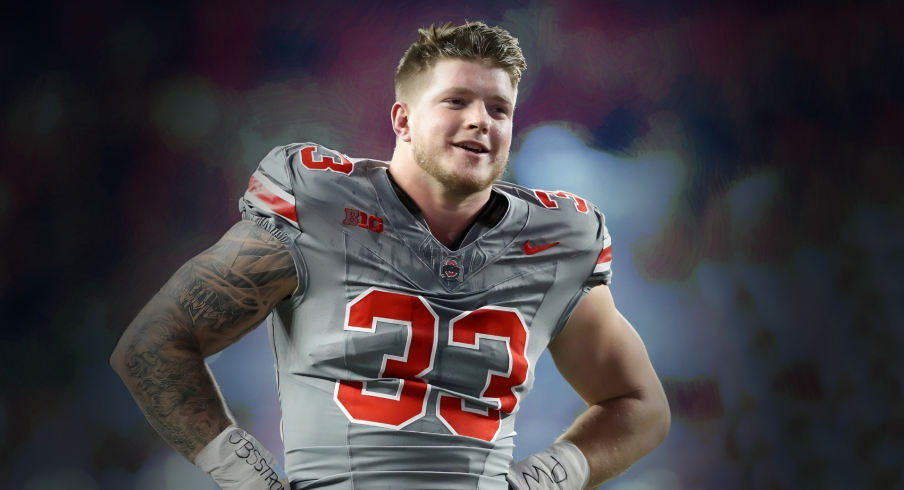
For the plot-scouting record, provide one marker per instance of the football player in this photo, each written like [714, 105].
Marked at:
[408, 304]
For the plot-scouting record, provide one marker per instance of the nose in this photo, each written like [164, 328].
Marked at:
[478, 118]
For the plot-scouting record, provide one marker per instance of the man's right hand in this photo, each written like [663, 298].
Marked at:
[210, 303]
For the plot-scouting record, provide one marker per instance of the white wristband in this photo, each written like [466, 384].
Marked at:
[561, 466]
[238, 462]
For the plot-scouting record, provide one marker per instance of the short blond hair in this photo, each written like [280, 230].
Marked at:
[471, 41]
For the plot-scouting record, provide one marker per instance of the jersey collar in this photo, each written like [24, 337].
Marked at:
[490, 215]
[480, 246]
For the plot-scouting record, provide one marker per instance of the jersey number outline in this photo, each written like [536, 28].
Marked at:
[546, 199]
[326, 163]
[409, 403]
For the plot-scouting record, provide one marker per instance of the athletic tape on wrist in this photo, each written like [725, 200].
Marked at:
[237, 461]
[561, 466]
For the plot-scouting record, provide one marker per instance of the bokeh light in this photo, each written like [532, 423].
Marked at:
[748, 157]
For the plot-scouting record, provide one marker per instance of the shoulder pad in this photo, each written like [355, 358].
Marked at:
[567, 214]
[269, 190]
[273, 188]
[318, 158]
[561, 217]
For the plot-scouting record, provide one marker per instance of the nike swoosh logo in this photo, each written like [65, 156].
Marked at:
[532, 250]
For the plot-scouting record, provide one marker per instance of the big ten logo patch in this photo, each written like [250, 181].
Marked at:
[360, 218]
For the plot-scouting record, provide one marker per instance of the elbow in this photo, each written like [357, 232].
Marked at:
[664, 423]
[126, 348]
[117, 358]
[655, 420]
[662, 419]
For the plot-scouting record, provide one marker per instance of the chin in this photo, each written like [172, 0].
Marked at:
[468, 186]
[457, 175]
[469, 183]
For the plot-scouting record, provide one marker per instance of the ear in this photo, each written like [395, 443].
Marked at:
[399, 115]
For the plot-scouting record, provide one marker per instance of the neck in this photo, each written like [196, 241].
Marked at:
[448, 214]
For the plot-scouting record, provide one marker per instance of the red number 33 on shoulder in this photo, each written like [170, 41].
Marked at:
[409, 403]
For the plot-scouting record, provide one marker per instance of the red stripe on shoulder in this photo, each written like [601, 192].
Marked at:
[275, 203]
[605, 255]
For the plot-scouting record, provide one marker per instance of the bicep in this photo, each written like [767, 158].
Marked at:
[600, 354]
[225, 291]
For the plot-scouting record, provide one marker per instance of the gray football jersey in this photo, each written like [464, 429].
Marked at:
[401, 363]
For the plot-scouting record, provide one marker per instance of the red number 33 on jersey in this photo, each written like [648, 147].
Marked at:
[409, 403]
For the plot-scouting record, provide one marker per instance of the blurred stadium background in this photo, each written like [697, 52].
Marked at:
[747, 154]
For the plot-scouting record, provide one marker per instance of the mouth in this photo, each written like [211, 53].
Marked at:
[472, 147]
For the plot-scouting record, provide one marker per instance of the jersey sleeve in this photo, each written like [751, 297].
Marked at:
[270, 202]
[593, 274]
[602, 270]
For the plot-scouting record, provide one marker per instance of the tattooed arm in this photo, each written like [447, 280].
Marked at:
[209, 304]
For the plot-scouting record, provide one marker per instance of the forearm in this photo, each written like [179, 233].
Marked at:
[162, 365]
[209, 303]
[615, 433]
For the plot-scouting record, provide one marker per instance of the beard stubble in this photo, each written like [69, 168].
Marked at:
[452, 181]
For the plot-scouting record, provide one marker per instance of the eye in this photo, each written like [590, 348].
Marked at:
[500, 110]
[456, 101]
